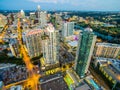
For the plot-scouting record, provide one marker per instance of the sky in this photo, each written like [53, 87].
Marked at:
[81, 5]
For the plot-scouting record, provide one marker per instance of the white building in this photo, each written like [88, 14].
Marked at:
[22, 13]
[68, 28]
[43, 18]
[50, 46]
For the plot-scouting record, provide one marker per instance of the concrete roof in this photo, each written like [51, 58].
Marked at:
[73, 43]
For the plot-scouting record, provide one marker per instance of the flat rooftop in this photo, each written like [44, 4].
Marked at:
[83, 86]
[73, 43]
[112, 66]
[108, 45]
[3, 66]
[53, 82]
[75, 78]
[114, 62]
[112, 72]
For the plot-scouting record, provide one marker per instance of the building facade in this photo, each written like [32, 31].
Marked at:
[58, 21]
[68, 28]
[50, 46]
[14, 47]
[33, 42]
[84, 52]
[38, 13]
[43, 18]
[22, 13]
[107, 50]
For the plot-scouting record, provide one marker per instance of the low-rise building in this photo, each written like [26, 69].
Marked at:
[14, 47]
[53, 82]
[110, 68]
[72, 79]
[18, 87]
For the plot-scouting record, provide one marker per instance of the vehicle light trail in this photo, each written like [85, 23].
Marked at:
[33, 76]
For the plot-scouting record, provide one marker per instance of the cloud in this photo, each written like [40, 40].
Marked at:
[72, 2]
[51, 1]
[82, 4]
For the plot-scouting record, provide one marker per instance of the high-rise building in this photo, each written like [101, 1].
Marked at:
[22, 13]
[50, 46]
[43, 18]
[38, 7]
[68, 28]
[84, 52]
[58, 21]
[38, 12]
[107, 50]
[32, 16]
[33, 42]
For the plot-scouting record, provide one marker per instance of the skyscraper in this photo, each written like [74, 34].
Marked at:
[38, 12]
[22, 14]
[84, 52]
[50, 45]
[33, 42]
[58, 21]
[68, 28]
[43, 18]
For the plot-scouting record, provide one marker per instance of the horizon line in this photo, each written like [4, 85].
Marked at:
[61, 10]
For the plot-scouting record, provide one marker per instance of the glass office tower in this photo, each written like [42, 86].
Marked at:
[84, 52]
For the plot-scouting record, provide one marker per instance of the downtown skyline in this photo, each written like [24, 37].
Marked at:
[59, 45]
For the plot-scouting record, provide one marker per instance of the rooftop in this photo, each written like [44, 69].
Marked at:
[13, 41]
[73, 76]
[33, 32]
[3, 66]
[88, 29]
[112, 67]
[18, 87]
[73, 43]
[114, 62]
[108, 44]
[83, 86]
[50, 28]
[113, 72]
[53, 82]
